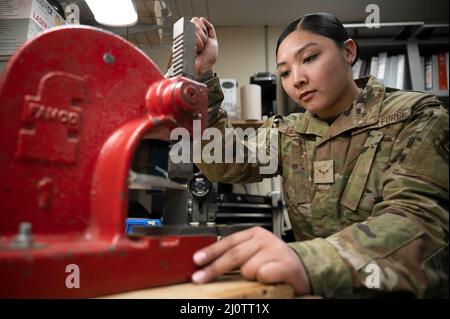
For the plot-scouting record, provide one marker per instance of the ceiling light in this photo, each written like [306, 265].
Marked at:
[115, 13]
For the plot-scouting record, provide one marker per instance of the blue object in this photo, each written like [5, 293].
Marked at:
[130, 223]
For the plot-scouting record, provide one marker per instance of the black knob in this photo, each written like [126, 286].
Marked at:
[200, 186]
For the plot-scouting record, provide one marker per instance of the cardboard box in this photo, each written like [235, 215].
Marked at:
[21, 20]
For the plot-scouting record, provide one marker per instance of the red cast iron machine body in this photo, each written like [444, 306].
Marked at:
[74, 104]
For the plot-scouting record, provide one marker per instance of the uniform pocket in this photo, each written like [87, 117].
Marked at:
[296, 186]
[358, 178]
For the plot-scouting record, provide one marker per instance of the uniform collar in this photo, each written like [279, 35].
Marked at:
[364, 111]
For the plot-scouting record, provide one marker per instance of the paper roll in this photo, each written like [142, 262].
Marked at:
[251, 102]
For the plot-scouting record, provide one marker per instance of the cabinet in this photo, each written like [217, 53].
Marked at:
[413, 39]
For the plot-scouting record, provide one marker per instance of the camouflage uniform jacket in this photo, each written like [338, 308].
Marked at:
[382, 201]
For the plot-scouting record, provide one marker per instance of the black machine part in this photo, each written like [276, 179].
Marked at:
[199, 185]
[186, 230]
[58, 7]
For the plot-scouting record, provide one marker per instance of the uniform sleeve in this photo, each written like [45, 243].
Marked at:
[403, 247]
[246, 148]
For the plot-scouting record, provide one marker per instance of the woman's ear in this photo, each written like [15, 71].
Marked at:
[350, 50]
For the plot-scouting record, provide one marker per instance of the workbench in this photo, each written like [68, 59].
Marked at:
[228, 286]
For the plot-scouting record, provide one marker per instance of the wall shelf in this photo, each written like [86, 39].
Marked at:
[410, 38]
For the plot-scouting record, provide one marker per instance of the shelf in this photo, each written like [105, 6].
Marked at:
[398, 31]
[413, 39]
[427, 31]
[388, 42]
[399, 37]
[246, 205]
[437, 93]
[247, 123]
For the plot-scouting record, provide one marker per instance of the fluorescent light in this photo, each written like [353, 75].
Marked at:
[113, 13]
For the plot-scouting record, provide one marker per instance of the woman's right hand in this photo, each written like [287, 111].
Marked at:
[207, 48]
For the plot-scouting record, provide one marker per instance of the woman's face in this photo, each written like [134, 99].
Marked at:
[314, 72]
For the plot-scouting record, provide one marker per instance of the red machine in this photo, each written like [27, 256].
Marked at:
[74, 104]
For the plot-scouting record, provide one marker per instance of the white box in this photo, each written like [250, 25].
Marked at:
[21, 20]
[229, 89]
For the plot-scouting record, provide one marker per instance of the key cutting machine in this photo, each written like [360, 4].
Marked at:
[74, 104]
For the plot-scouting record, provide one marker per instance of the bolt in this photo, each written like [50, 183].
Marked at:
[109, 58]
[190, 94]
[25, 229]
[24, 238]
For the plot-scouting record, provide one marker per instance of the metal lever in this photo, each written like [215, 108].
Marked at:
[151, 182]
[183, 63]
[183, 52]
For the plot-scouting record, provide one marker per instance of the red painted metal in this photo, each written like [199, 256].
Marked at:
[74, 104]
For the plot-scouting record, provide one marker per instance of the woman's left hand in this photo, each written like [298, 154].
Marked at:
[259, 255]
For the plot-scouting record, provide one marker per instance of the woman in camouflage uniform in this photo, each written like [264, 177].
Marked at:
[365, 176]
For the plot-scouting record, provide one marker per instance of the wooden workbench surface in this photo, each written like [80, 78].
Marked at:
[229, 286]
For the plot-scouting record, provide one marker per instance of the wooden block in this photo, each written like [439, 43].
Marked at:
[255, 124]
[229, 286]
